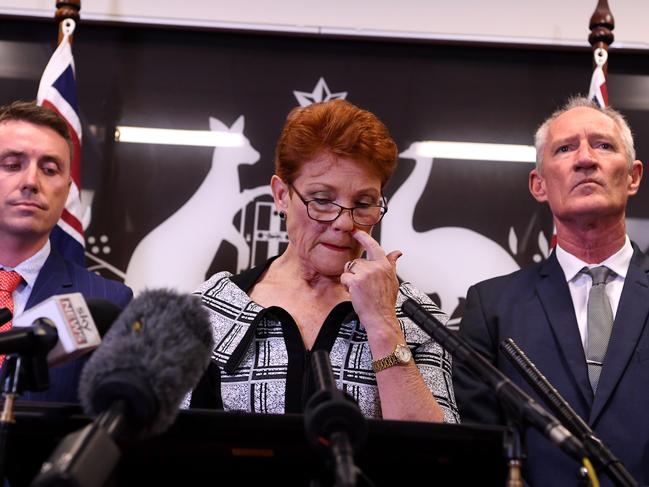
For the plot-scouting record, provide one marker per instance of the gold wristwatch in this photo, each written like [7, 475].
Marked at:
[400, 356]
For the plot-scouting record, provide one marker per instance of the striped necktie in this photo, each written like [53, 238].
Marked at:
[9, 281]
[599, 322]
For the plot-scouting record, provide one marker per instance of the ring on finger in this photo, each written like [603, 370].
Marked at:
[350, 265]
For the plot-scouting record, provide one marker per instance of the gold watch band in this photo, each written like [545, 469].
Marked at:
[384, 363]
[401, 355]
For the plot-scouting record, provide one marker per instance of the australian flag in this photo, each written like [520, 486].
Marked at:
[58, 91]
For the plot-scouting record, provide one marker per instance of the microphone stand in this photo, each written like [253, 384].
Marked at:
[602, 456]
[10, 379]
[524, 409]
[24, 369]
[514, 455]
[86, 457]
[334, 421]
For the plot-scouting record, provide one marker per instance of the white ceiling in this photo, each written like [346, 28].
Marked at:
[561, 22]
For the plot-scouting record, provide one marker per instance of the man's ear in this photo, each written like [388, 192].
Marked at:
[635, 176]
[280, 192]
[537, 186]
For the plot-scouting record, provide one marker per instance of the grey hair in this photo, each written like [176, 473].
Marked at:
[541, 135]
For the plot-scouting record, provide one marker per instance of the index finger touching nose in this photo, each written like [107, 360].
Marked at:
[371, 246]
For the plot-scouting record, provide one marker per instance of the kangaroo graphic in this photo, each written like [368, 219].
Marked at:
[179, 251]
[444, 260]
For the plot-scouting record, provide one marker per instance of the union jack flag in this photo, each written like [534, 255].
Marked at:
[58, 91]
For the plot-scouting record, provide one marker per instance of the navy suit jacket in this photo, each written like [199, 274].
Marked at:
[59, 276]
[533, 306]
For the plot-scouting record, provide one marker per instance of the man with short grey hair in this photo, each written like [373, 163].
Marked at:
[581, 315]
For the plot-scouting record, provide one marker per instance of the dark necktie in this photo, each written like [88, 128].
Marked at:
[9, 281]
[600, 323]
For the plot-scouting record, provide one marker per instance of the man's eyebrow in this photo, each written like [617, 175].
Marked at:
[51, 157]
[563, 140]
[602, 135]
[11, 152]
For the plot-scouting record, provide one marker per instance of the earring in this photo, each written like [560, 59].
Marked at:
[282, 215]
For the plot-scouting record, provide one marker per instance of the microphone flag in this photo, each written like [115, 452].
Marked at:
[76, 328]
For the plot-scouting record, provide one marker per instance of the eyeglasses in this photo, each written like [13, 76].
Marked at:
[325, 211]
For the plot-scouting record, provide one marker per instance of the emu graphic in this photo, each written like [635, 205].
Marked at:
[444, 260]
[179, 251]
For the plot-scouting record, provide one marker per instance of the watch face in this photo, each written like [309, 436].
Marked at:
[403, 354]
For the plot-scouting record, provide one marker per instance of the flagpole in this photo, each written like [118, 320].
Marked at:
[601, 35]
[67, 9]
[57, 90]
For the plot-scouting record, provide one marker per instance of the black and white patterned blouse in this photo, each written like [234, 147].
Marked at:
[260, 364]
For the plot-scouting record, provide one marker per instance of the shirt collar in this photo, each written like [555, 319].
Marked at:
[29, 269]
[618, 262]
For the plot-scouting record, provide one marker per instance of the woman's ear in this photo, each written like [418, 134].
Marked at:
[280, 193]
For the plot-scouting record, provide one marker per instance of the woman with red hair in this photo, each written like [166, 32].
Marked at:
[332, 162]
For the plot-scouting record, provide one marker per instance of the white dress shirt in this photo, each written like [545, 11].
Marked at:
[28, 270]
[580, 283]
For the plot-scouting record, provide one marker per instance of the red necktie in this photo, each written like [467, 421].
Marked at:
[9, 281]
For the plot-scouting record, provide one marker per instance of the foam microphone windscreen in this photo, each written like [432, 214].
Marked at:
[151, 357]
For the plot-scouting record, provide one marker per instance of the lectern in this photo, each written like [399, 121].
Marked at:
[206, 447]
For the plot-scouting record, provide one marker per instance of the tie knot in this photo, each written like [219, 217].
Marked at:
[9, 281]
[599, 274]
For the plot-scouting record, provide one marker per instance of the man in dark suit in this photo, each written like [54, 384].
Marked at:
[35, 155]
[586, 171]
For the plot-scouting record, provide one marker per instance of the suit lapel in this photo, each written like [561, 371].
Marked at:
[555, 298]
[53, 279]
[630, 321]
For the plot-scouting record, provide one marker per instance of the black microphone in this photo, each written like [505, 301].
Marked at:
[5, 316]
[335, 420]
[26, 366]
[602, 456]
[40, 336]
[104, 313]
[151, 357]
[507, 392]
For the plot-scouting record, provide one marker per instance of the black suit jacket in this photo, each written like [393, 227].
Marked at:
[59, 276]
[533, 306]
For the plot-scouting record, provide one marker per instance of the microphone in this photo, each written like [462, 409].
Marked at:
[5, 315]
[40, 336]
[104, 313]
[151, 357]
[335, 420]
[603, 457]
[507, 392]
[53, 332]
[72, 320]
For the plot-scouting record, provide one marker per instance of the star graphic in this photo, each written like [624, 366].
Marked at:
[321, 92]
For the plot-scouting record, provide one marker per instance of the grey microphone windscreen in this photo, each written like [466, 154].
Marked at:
[151, 357]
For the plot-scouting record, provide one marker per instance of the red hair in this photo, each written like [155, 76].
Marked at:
[338, 128]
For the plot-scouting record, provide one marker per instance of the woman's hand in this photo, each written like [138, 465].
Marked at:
[373, 286]
[372, 282]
